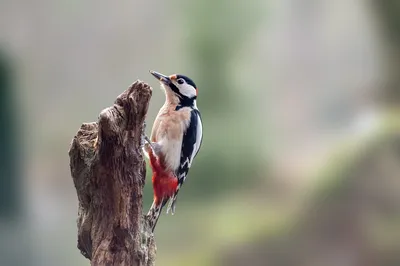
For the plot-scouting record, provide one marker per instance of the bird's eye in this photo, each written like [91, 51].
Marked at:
[181, 81]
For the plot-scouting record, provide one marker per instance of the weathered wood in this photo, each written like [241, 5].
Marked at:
[108, 171]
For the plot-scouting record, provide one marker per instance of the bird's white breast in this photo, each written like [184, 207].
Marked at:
[171, 149]
[169, 133]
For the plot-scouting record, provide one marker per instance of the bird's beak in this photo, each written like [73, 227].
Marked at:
[162, 78]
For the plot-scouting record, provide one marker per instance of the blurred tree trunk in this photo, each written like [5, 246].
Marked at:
[9, 178]
[389, 15]
[14, 240]
[109, 173]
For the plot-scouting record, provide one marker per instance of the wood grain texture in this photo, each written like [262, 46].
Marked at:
[109, 177]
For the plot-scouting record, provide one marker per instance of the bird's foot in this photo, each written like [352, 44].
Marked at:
[155, 147]
[148, 142]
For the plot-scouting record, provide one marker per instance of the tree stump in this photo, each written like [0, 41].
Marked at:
[108, 171]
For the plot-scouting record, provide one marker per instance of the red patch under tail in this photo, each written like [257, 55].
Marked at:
[164, 187]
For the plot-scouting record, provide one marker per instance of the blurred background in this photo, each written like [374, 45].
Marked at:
[300, 163]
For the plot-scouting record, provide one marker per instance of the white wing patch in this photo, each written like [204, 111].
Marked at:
[194, 133]
[199, 137]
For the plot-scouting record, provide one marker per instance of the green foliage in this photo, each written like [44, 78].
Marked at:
[334, 177]
[218, 30]
[390, 10]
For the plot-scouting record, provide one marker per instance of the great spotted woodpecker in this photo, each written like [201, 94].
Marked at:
[175, 140]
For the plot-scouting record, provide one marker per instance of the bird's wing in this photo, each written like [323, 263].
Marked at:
[191, 142]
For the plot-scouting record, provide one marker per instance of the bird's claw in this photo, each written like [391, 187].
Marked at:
[146, 138]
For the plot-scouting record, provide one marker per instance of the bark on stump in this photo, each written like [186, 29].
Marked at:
[109, 178]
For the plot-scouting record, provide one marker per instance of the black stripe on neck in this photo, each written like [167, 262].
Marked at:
[185, 102]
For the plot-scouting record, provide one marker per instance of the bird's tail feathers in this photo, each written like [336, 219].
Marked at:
[154, 213]
[156, 209]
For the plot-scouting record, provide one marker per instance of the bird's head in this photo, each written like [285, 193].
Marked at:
[178, 88]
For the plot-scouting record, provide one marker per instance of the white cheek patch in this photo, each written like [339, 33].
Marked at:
[187, 90]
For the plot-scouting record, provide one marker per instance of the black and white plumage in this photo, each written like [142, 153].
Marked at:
[191, 142]
[176, 139]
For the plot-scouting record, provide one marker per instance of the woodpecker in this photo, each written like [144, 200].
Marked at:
[175, 140]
